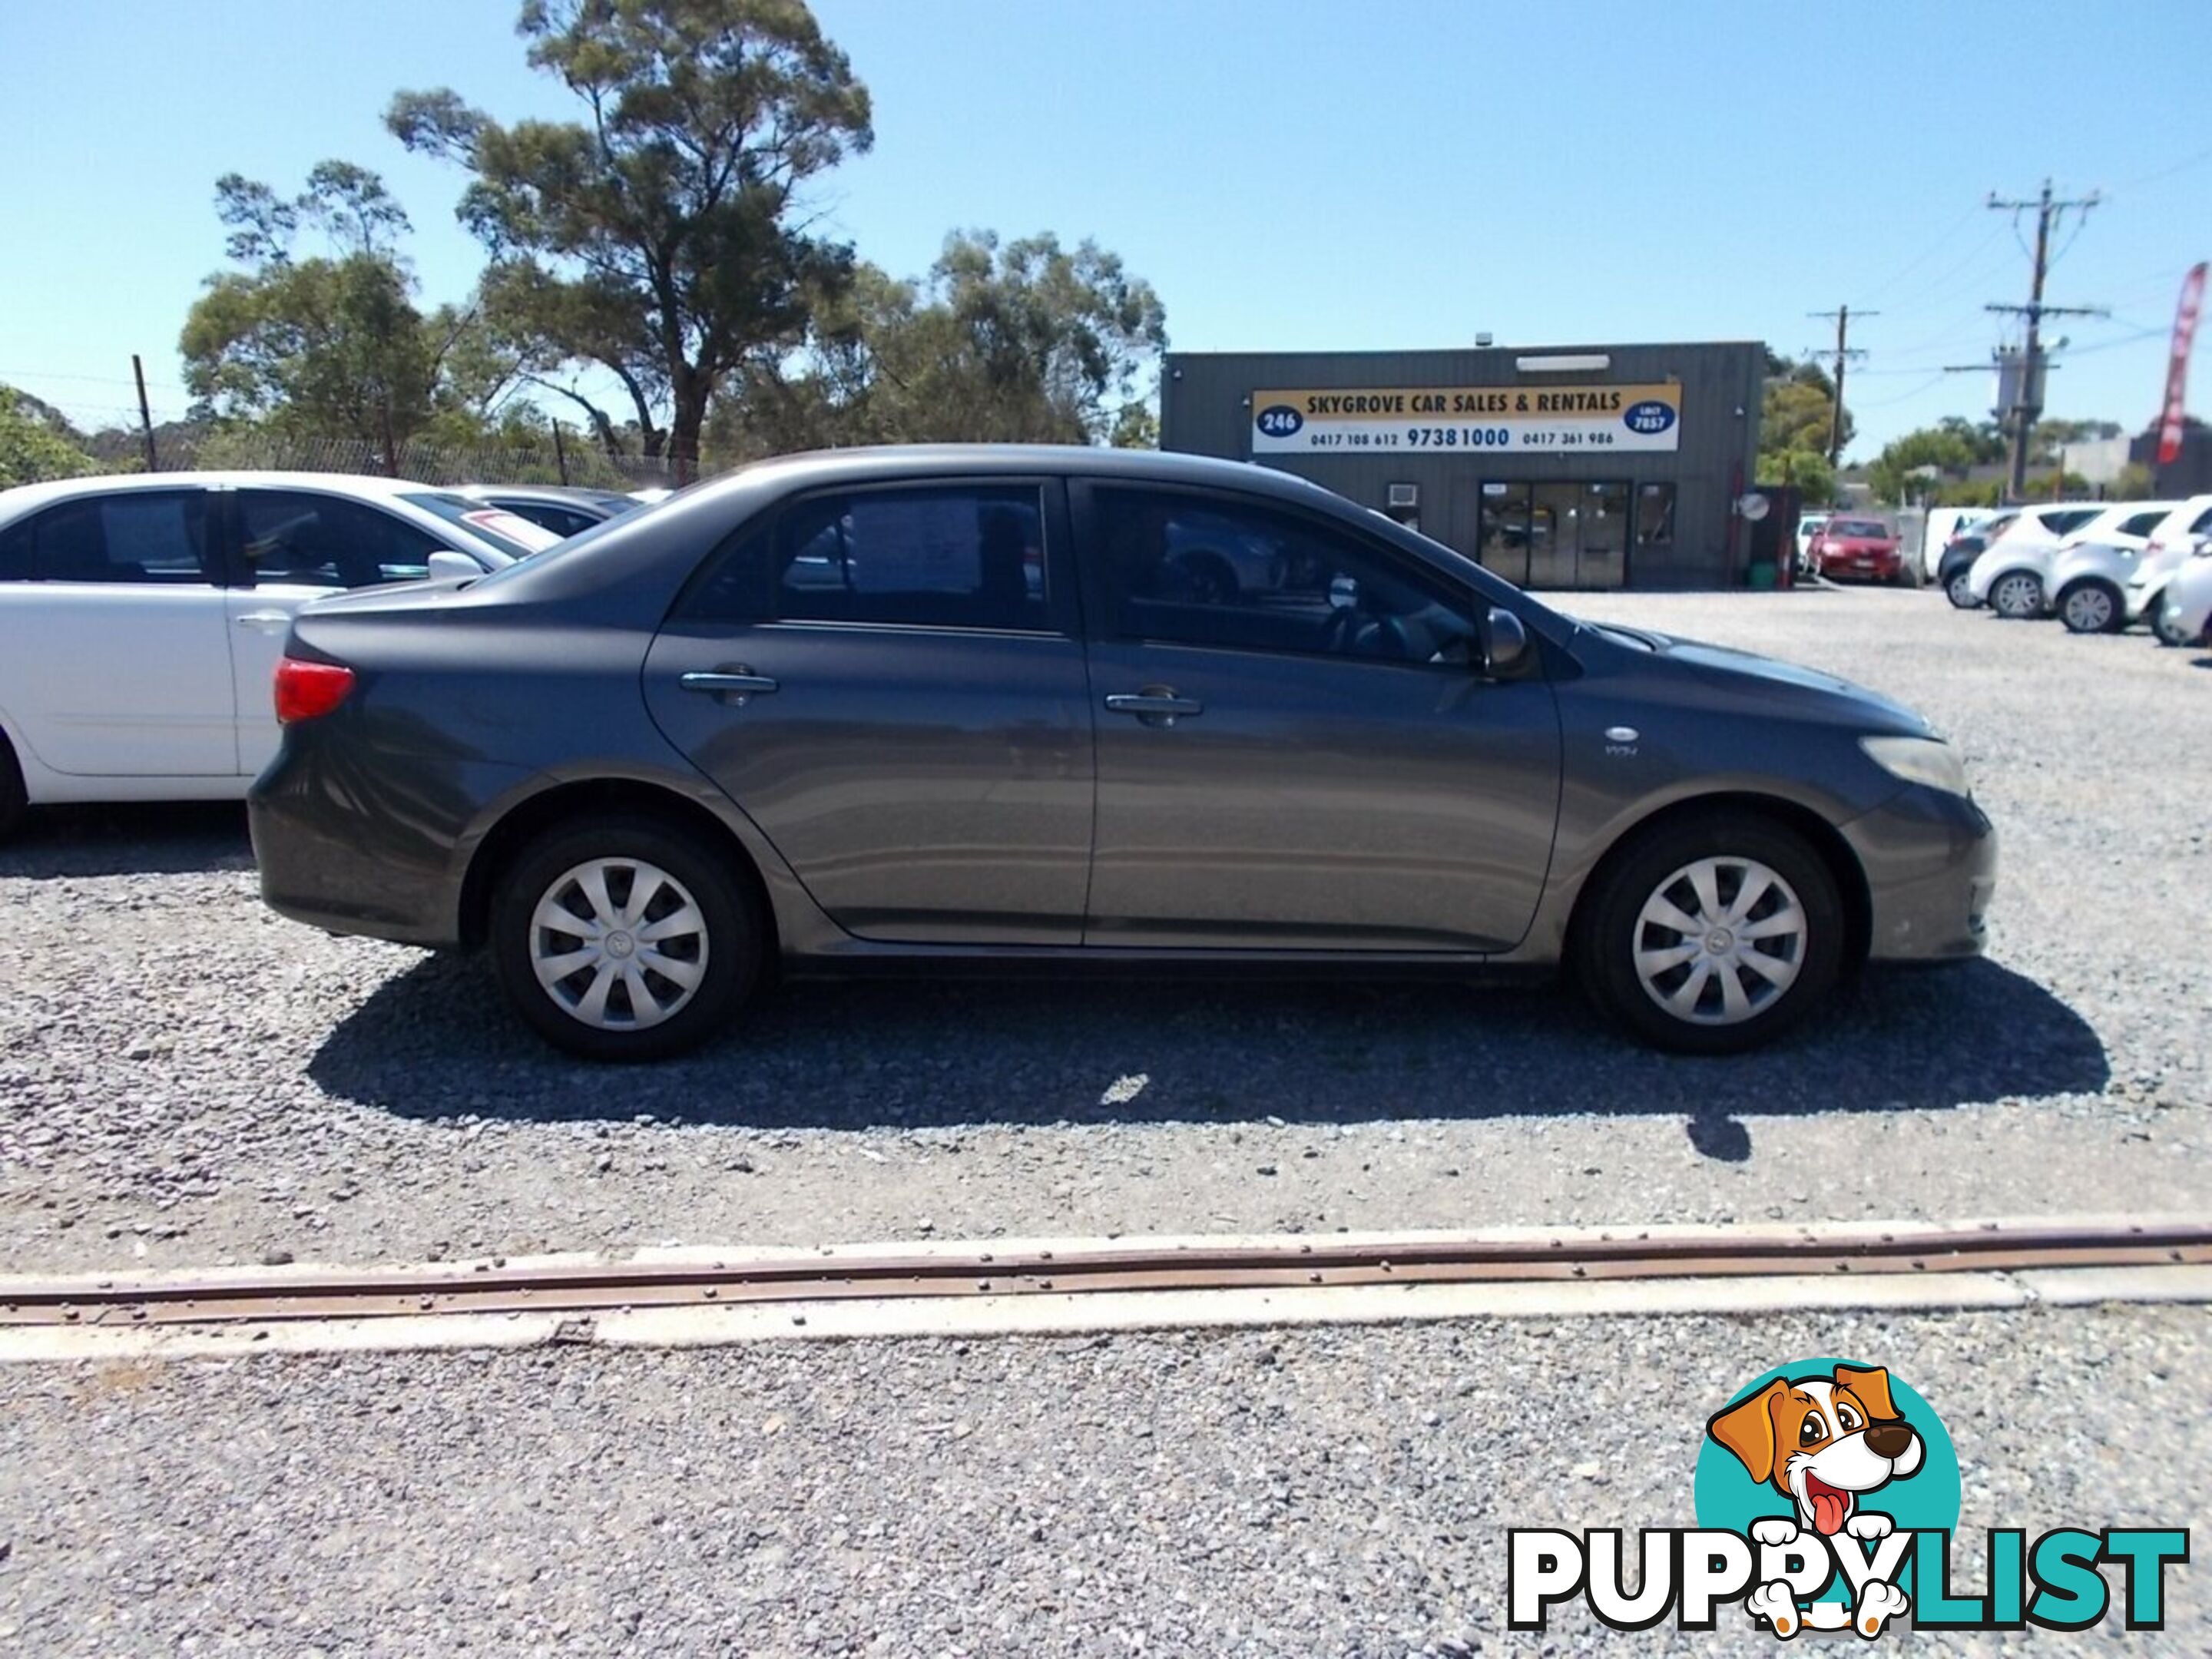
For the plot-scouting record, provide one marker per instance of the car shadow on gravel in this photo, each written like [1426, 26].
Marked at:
[153, 838]
[435, 1042]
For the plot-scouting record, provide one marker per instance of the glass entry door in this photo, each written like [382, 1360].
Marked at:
[1556, 535]
[1502, 540]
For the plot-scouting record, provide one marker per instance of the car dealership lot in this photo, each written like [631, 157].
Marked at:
[192, 1081]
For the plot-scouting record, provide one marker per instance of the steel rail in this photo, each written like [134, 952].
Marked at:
[492, 1286]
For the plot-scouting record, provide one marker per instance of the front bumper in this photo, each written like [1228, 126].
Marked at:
[1930, 859]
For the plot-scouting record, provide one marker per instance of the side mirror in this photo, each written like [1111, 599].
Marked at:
[445, 565]
[1505, 643]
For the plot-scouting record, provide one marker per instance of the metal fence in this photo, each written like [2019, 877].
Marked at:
[439, 463]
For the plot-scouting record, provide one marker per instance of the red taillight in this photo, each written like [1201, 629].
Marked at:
[309, 690]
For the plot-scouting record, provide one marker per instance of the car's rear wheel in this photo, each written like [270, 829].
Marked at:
[13, 797]
[2017, 595]
[1712, 934]
[625, 938]
[2090, 606]
[1957, 588]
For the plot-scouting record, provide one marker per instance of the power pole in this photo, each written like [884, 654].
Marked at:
[2020, 383]
[145, 415]
[1843, 354]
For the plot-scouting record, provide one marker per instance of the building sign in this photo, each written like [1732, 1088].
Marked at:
[1522, 419]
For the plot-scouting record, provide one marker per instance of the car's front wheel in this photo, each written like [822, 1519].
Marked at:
[1712, 934]
[2092, 607]
[625, 938]
[2166, 632]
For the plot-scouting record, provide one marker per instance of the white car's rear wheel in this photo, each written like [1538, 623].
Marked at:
[2091, 607]
[2017, 595]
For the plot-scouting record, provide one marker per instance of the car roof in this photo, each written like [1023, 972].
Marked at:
[62, 489]
[1077, 461]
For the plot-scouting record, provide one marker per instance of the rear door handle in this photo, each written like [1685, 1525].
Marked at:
[264, 619]
[1154, 707]
[738, 684]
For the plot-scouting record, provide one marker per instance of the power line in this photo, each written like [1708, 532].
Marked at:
[1841, 355]
[2020, 372]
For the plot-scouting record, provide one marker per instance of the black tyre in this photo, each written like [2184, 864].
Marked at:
[13, 797]
[1956, 590]
[626, 938]
[2091, 607]
[1712, 934]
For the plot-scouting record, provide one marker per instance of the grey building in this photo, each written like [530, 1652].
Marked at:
[1570, 466]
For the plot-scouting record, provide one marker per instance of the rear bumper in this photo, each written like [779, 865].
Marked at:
[379, 852]
[1878, 566]
[1931, 867]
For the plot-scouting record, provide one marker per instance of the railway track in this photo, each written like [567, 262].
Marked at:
[1094, 1268]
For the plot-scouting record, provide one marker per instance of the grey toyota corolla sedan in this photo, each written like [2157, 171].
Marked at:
[1056, 709]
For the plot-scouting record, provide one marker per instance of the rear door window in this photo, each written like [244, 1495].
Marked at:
[2144, 523]
[303, 537]
[137, 536]
[936, 556]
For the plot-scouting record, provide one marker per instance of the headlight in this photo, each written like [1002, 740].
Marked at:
[1930, 762]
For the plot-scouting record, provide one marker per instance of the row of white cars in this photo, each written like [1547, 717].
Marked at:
[2099, 567]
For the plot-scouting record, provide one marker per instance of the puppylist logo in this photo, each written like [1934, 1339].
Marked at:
[1827, 1500]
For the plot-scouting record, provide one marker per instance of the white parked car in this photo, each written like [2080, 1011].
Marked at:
[1809, 525]
[2088, 577]
[2169, 546]
[1944, 523]
[143, 615]
[2187, 607]
[2008, 576]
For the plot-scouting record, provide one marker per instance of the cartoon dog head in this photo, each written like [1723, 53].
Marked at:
[1821, 1441]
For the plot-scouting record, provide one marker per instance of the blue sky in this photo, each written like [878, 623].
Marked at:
[1288, 174]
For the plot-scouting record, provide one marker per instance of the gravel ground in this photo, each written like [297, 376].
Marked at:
[1305, 1493]
[188, 1079]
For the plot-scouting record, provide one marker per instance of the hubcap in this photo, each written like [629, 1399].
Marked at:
[2089, 610]
[1961, 589]
[1720, 941]
[619, 944]
[2018, 595]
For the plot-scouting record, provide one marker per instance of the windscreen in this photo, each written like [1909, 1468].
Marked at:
[509, 533]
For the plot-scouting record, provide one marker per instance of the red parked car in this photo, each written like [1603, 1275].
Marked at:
[1865, 547]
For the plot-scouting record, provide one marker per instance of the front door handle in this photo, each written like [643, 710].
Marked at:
[738, 684]
[264, 619]
[1156, 705]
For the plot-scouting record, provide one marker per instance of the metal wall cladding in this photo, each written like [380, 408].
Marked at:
[1205, 410]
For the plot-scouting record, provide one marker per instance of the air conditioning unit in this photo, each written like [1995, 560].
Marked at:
[1405, 494]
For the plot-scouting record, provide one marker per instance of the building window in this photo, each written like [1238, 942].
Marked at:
[1655, 516]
